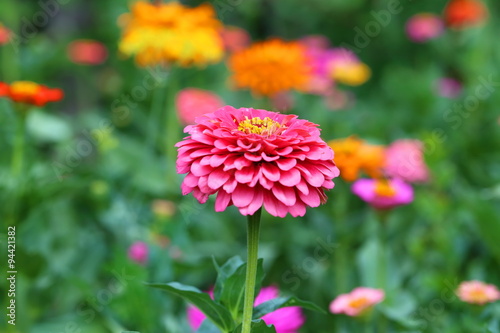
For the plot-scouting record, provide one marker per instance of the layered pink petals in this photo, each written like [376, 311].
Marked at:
[357, 301]
[284, 167]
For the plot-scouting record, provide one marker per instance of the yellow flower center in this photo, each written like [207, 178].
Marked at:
[478, 296]
[358, 302]
[384, 189]
[24, 87]
[256, 125]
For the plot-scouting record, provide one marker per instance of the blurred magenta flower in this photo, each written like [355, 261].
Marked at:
[138, 252]
[383, 193]
[423, 27]
[477, 292]
[235, 38]
[345, 67]
[405, 160]
[193, 102]
[463, 14]
[449, 87]
[253, 158]
[285, 320]
[357, 302]
[87, 52]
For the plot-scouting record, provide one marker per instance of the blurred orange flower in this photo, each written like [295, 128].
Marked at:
[87, 52]
[271, 67]
[460, 14]
[30, 93]
[164, 33]
[353, 156]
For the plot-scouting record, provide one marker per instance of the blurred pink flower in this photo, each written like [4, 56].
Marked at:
[405, 160]
[449, 87]
[235, 38]
[477, 292]
[87, 52]
[317, 42]
[357, 302]
[282, 101]
[4, 35]
[138, 252]
[192, 103]
[285, 320]
[252, 158]
[423, 27]
[383, 193]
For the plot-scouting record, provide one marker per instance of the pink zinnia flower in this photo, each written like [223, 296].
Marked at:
[405, 160]
[87, 52]
[423, 27]
[235, 38]
[193, 102]
[253, 158]
[138, 252]
[357, 302]
[382, 193]
[285, 320]
[449, 87]
[477, 292]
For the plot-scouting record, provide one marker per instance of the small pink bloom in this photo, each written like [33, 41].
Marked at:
[382, 193]
[423, 27]
[252, 158]
[449, 87]
[282, 101]
[4, 35]
[317, 42]
[285, 320]
[192, 103]
[357, 302]
[138, 252]
[477, 292]
[235, 38]
[87, 52]
[405, 160]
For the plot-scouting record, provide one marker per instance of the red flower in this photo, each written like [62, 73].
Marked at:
[87, 52]
[30, 93]
[253, 158]
[460, 14]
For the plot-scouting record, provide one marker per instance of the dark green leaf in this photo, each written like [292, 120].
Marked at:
[258, 326]
[214, 311]
[283, 302]
[224, 272]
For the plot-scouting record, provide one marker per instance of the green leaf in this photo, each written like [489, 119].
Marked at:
[214, 311]
[208, 327]
[258, 326]
[233, 290]
[224, 272]
[283, 302]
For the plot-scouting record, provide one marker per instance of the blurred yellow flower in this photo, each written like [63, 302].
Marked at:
[352, 74]
[353, 155]
[167, 33]
[271, 67]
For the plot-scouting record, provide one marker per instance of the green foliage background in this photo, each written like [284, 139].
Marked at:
[77, 213]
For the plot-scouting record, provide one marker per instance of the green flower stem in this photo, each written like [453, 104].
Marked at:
[172, 126]
[19, 143]
[155, 115]
[252, 251]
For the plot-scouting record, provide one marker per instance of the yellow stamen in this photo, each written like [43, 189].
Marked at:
[256, 125]
[384, 189]
[24, 87]
[358, 302]
[478, 295]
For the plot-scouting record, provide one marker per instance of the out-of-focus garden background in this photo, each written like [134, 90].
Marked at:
[97, 175]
